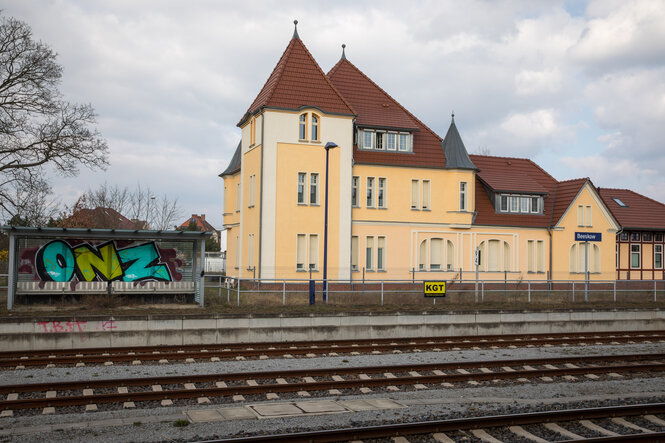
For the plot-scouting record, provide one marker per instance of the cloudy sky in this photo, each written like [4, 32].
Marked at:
[577, 86]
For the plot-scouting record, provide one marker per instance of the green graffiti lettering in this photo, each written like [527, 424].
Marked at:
[102, 261]
[142, 263]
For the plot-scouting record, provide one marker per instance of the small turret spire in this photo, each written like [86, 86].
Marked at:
[295, 30]
[343, 53]
[453, 116]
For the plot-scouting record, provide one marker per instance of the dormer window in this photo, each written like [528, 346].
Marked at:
[384, 140]
[519, 204]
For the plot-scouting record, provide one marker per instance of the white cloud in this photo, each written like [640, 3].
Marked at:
[529, 82]
[533, 125]
[621, 34]
[170, 82]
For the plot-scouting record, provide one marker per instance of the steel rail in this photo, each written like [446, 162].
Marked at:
[66, 357]
[495, 421]
[317, 385]
[322, 372]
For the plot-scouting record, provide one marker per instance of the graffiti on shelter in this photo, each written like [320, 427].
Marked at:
[77, 261]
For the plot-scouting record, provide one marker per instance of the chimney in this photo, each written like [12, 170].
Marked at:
[203, 216]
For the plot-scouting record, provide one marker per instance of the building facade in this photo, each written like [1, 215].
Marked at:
[403, 202]
[639, 244]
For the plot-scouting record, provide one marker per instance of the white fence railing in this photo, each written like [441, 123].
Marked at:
[465, 291]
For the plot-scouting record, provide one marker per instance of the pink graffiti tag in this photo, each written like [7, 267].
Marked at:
[58, 326]
[107, 325]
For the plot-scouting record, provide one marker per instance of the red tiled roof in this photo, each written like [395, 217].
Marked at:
[376, 108]
[200, 222]
[99, 217]
[566, 191]
[298, 81]
[641, 212]
[520, 175]
[498, 173]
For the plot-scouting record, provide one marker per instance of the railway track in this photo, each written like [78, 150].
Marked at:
[606, 424]
[193, 353]
[229, 387]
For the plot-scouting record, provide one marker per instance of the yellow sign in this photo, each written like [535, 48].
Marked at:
[435, 288]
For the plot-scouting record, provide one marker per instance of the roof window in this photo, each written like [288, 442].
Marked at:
[619, 202]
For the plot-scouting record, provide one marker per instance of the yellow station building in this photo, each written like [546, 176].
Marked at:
[403, 202]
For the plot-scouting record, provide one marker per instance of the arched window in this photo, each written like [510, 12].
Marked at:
[507, 259]
[315, 127]
[572, 263]
[450, 256]
[596, 258]
[436, 254]
[493, 258]
[422, 255]
[302, 134]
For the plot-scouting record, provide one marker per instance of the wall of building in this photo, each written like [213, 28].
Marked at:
[563, 237]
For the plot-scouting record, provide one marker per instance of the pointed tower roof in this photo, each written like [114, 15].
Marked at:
[453, 147]
[377, 109]
[234, 165]
[298, 81]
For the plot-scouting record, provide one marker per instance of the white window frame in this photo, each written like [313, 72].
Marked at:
[379, 141]
[301, 259]
[315, 127]
[436, 245]
[426, 197]
[364, 138]
[404, 142]
[302, 127]
[369, 253]
[580, 216]
[381, 253]
[355, 187]
[382, 193]
[415, 194]
[313, 262]
[514, 203]
[314, 188]
[369, 194]
[463, 188]
[535, 209]
[238, 199]
[588, 222]
[301, 185]
[525, 203]
[388, 138]
[252, 180]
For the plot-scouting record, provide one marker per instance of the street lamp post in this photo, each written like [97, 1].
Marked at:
[328, 147]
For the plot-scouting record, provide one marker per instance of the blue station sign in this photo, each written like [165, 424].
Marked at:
[588, 236]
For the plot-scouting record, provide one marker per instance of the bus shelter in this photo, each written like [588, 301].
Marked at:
[71, 261]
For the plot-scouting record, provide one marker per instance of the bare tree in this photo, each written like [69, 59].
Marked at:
[37, 127]
[145, 209]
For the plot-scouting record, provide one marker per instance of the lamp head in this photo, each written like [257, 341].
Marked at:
[330, 145]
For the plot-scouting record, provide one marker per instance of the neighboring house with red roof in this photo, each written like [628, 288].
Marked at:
[639, 244]
[99, 217]
[402, 199]
[202, 225]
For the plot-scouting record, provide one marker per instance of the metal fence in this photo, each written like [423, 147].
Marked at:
[395, 292]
